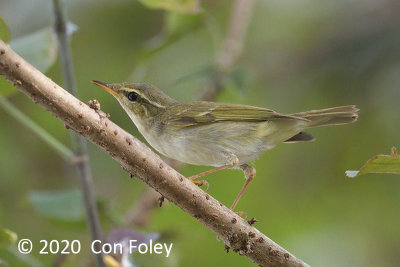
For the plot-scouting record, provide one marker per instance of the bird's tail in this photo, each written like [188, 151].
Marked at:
[329, 116]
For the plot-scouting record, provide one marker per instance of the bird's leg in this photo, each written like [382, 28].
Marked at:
[194, 177]
[232, 162]
[249, 173]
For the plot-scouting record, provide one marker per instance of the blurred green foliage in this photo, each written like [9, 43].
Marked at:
[48, 204]
[4, 32]
[38, 48]
[7, 238]
[184, 6]
[298, 56]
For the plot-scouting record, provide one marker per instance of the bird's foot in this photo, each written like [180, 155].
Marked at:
[200, 183]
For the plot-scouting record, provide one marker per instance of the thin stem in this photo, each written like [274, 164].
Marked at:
[234, 42]
[60, 148]
[232, 47]
[80, 147]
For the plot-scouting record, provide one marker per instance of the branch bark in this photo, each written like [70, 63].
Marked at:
[139, 160]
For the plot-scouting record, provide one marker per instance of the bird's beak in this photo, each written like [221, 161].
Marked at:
[107, 87]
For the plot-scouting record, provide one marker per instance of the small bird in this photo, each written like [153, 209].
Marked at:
[221, 135]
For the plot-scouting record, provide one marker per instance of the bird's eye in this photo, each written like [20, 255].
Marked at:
[132, 96]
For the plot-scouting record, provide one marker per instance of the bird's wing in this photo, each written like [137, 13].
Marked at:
[203, 113]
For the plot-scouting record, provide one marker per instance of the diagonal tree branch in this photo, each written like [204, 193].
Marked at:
[139, 160]
[83, 170]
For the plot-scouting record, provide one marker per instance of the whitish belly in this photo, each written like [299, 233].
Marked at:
[208, 145]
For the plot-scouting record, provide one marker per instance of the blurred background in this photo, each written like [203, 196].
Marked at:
[297, 56]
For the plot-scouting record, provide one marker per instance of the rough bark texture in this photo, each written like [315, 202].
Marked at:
[139, 160]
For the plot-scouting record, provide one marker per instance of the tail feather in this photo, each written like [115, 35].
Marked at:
[330, 116]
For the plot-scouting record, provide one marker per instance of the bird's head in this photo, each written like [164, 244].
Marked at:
[141, 100]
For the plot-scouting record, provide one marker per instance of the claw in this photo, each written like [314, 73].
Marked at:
[161, 200]
[227, 248]
[202, 182]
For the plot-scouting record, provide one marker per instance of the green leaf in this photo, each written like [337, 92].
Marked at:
[183, 6]
[178, 23]
[38, 48]
[62, 205]
[4, 32]
[7, 238]
[5, 86]
[379, 164]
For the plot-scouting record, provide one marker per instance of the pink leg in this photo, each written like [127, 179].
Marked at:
[194, 177]
[249, 173]
[232, 162]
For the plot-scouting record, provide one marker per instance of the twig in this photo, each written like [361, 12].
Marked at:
[83, 169]
[232, 47]
[234, 41]
[138, 159]
[61, 149]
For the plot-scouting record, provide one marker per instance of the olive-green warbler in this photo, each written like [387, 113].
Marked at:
[222, 135]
